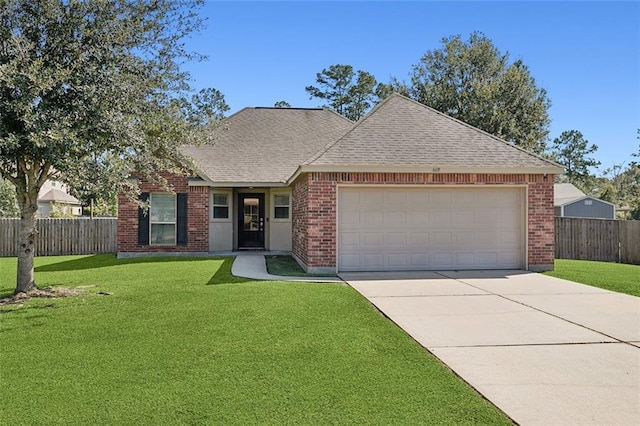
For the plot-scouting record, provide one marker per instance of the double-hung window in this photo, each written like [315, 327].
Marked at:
[221, 206]
[162, 219]
[165, 222]
[281, 206]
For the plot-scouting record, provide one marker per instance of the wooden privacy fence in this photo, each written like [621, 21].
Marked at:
[63, 236]
[598, 239]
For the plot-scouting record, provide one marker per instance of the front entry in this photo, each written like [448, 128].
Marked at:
[250, 221]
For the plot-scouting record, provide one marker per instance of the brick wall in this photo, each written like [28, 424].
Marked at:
[315, 195]
[197, 219]
[541, 226]
[299, 218]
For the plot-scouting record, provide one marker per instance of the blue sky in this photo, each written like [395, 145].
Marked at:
[585, 54]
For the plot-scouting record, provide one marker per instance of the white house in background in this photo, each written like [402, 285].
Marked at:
[56, 193]
[569, 201]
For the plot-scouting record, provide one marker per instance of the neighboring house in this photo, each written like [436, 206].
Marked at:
[54, 195]
[569, 201]
[404, 188]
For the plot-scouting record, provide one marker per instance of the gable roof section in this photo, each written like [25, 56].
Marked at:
[400, 132]
[564, 193]
[266, 145]
[58, 196]
[567, 193]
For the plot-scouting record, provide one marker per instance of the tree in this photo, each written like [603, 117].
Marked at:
[8, 204]
[347, 92]
[634, 178]
[92, 91]
[572, 150]
[282, 104]
[476, 83]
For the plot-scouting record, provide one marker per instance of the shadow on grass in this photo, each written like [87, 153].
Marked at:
[105, 260]
[223, 274]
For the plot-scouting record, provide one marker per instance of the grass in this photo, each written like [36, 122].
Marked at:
[181, 341]
[610, 276]
[287, 266]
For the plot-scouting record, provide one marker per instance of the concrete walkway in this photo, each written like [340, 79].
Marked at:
[546, 351]
[254, 266]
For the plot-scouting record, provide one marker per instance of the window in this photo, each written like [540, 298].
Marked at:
[221, 206]
[588, 202]
[281, 206]
[165, 223]
[162, 218]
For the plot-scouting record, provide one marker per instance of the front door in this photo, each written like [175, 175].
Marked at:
[250, 221]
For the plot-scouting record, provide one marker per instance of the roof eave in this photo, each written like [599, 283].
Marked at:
[215, 184]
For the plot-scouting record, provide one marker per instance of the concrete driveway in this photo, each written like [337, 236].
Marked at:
[544, 350]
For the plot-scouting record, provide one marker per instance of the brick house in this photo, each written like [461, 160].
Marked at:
[404, 188]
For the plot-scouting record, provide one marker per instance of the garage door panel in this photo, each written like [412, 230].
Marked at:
[395, 198]
[462, 219]
[374, 261]
[486, 259]
[465, 238]
[350, 217]
[373, 239]
[441, 199]
[397, 239]
[396, 219]
[487, 199]
[441, 238]
[418, 239]
[430, 228]
[418, 218]
[397, 261]
[442, 260]
[372, 199]
[440, 218]
[508, 220]
[350, 261]
[372, 219]
[349, 239]
[484, 218]
[418, 260]
[464, 199]
[463, 260]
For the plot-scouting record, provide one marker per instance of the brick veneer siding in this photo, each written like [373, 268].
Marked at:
[314, 210]
[299, 219]
[197, 219]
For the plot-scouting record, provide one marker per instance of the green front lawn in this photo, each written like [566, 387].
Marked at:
[611, 276]
[180, 341]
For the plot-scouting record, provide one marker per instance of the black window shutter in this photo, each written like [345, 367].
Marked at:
[143, 222]
[182, 219]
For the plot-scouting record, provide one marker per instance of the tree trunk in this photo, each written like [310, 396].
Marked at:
[28, 202]
[26, 248]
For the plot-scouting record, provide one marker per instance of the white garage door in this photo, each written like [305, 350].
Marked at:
[386, 229]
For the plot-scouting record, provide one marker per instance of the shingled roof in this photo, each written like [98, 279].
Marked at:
[270, 146]
[402, 132]
[58, 196]
[266, 145]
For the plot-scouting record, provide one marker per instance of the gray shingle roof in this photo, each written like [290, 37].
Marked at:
[266, 145]
[564, 193]
[59, 196]
[402, 132]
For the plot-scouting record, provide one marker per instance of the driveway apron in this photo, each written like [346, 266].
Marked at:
[543, 350]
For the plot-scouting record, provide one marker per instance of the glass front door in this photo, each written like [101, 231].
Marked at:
[250, 221]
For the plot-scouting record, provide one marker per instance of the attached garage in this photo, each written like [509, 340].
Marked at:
[431, 228]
